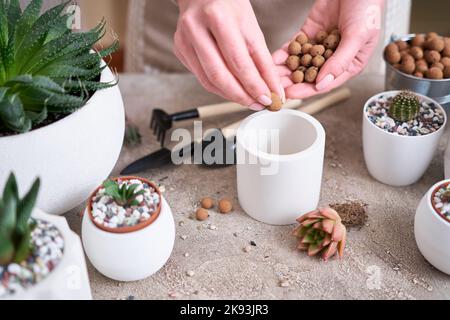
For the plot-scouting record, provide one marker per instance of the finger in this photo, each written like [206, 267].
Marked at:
[217, 71]
[234, 50]
[279, 57]
[266, 67]
[183, 50]
[306, 90]
[340, 61]
[283, 71]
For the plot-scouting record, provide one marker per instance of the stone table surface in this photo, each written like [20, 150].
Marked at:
[381, 262]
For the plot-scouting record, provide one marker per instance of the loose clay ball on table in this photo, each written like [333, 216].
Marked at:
[307, 56]
[424, 56]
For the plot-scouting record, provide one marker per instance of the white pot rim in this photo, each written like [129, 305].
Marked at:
[393, 93]
[430, 201]
[78, 113]
[320, 136]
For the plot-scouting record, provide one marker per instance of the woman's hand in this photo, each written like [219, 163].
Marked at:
[221, 43]
[359, 23]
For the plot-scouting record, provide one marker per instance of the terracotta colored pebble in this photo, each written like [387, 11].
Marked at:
[295, 48]
[298, 76]
[225, 206]
[202, 214]
[207, 203]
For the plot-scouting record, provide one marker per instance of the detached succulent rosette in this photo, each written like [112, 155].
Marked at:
[321, 232]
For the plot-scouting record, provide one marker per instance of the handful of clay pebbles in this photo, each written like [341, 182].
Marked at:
[307, 56]
[424, 56]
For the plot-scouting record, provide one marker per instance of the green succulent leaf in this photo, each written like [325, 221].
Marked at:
[45, 67]
[28, 18]
[25, 208]
[6, 250]
[9, 208]
[23, 247]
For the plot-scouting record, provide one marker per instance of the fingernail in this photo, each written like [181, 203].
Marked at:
[265, 100]
[256, 107]
[322, 85]
[282, 94]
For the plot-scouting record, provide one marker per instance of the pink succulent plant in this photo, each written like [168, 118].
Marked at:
[321, 231]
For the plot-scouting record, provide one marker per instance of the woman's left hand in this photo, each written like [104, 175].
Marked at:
[359, 23]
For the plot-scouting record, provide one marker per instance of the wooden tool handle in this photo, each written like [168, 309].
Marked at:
[314, 107]
[220, 109]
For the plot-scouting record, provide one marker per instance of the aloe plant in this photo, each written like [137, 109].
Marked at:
[45, 68]
[124, 195]
[16, 224]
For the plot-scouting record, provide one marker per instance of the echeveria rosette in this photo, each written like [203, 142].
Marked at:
[321, 231]
[44, 66]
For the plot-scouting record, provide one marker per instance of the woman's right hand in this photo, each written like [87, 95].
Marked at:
[221, 43]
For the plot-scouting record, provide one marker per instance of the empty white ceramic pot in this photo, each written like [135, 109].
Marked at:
[130, 256]
[71, 156]
[398, 160]
[432, 231]
[279, 165]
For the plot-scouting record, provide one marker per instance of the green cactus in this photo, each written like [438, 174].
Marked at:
[16, 224]
[404, 107]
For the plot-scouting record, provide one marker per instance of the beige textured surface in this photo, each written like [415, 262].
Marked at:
[384, 248]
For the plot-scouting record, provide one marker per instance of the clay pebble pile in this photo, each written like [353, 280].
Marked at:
[108, 213]
[48, 249]
[442, 202]
[430, 119]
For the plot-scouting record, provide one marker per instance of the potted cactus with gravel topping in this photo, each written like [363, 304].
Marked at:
[56, 93]
[128, 229]
[34, 261]
[401, 132]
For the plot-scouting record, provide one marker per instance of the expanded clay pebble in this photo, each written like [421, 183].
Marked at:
[321, 36]
[311, 74]
[277, 104]
[306, 60]
[298, 76]
[302, 38]
[419, 55]
[447, 72]
[317, 50]
[318, 61]
[225, 206]
[207, 203]
[434, 73]
[202, 214]
[432, 56]
[305, 66]
[293, 62]
[295, 48]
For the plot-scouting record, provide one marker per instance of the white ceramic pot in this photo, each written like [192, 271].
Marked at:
[130, 256]
[432, 232]
[69, 280]
[447, 161]
[71, 156]
[398, 160]
[279, 165]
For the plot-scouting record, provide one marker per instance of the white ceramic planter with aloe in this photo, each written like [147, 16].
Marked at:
[128, 230]
[432, 226]
[40, 257]
[400, 140]
[61, 113]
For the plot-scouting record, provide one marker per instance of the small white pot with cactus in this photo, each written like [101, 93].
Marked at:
[401, 132]
[40, 257]
[61, 113]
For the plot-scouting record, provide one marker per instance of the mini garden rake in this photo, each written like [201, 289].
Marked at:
[162, 121]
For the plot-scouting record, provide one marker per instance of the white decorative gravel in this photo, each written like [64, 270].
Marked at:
[108, 213]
